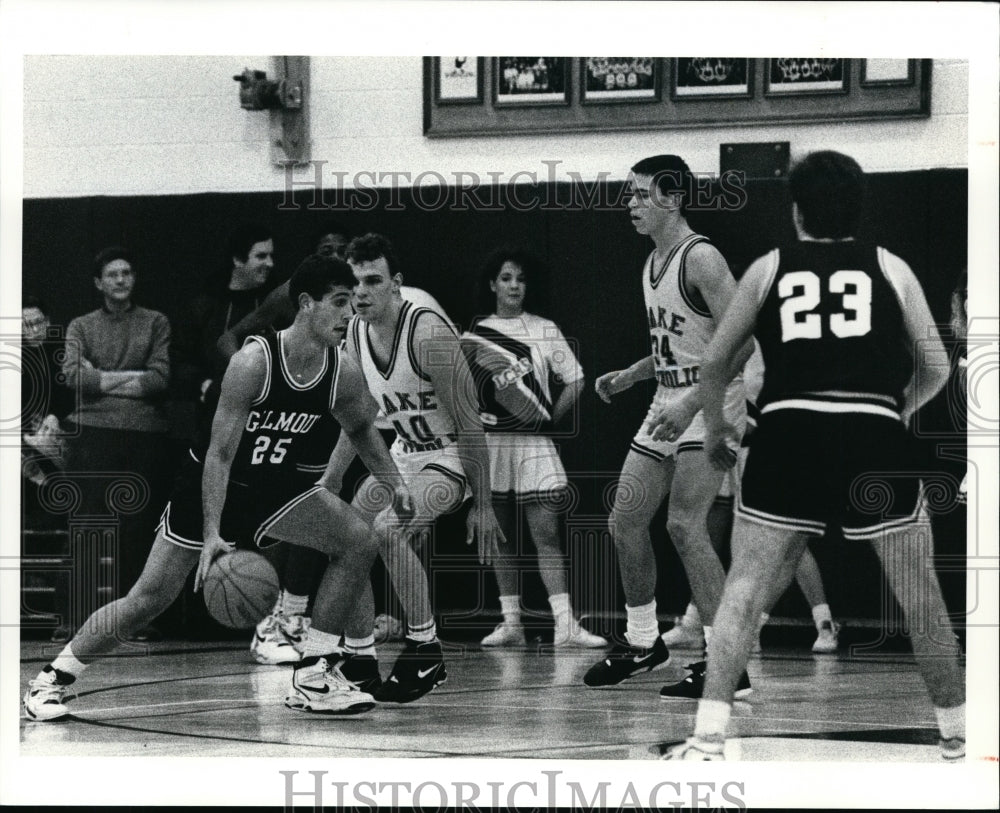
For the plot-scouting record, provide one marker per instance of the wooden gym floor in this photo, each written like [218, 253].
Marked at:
[195, 699]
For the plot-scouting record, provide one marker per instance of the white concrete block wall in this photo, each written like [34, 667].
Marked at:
[147, 125]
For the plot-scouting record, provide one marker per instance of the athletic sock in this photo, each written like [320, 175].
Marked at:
[951, 722]
[821, 613]
[510, 606]
[642, 628]
[692, 618]
[67, 663]
[360, 646]
[320, 643]
[291, 604]
[423, 633]
[712, 719]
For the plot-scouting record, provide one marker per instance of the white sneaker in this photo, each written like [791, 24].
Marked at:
[695, 749]
[505, 635]
[573, 635]
[953, 749]
[826, 640]
[322, 688]
[44, 699]
[278, 639]
[681, 636]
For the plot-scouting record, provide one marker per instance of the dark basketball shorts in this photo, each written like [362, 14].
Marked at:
[246, 516]
[809, 469]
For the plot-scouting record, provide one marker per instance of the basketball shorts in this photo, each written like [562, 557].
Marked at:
[434, 478]
[693, 438]
[524, 467]
[247, 515]
[808, 470]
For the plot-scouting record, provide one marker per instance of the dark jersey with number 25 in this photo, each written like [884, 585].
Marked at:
[289, 430]
[831, 327]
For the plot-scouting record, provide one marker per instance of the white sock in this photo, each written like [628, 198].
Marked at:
[562, 610]
[708, 634]
[292, 604]
[510, 606]
[67, 662]
[642, 627]
[951, 722]
[360, 646]
[320, 643]
[422, 634]
[712, 719]
[821, 613]
[692, 618]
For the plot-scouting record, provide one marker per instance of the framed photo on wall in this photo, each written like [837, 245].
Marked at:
[619, 78]
[883, 72]
[458, 79]
[701, 77]
[531, 80]
[792, 75]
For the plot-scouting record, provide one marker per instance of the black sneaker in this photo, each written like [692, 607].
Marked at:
[692, 687]
[362, 671]
[625, 661]
[418, 669]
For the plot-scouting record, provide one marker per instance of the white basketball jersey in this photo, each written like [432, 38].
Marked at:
[401, 389]
[680, 323]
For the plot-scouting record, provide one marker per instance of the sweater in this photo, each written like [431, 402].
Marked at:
[134, 339]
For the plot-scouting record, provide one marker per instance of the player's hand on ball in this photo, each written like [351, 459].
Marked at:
[214, 547]
[610, 384]
[721, 445]
[671, 422]
[482, 526]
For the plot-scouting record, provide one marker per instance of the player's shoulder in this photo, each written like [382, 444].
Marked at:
[701, 255]
[255, 352]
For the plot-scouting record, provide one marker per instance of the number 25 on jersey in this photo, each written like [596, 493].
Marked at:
[802, 292]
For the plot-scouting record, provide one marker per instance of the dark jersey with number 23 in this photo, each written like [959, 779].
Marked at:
[831, 326]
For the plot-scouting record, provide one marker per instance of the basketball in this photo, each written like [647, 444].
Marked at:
[240, 589]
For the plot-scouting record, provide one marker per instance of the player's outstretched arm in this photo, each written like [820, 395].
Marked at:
[725, 356]
[620, 380]
[276, 307]
[931, 364]
[441, 359]
[242, 383]
[355, 411]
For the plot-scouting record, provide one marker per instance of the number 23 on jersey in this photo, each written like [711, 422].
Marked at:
[802, 291]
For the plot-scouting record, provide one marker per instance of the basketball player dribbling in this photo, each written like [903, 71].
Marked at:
[851, 353]
[687, 286]
[278, 396]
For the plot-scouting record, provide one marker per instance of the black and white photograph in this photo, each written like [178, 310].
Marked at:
[712, 76]
[612, 78]
[459, 79]
[797, 74]
[523, 80]
[399, 430]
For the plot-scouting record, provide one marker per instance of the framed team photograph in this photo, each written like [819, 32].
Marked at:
[712, 77]
[531, 80]
[458, 79]
[796, 75]
[619, 79]
[883, 72]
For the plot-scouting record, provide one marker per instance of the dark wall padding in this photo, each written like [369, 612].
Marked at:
[592, 289]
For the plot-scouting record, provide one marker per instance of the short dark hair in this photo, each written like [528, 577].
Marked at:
[30, 301]
[331, 227]
[670, 173]
[370, 247]
[529, 265]
[109, 255]
[829, 189]
[317, 276]
[243, 238]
